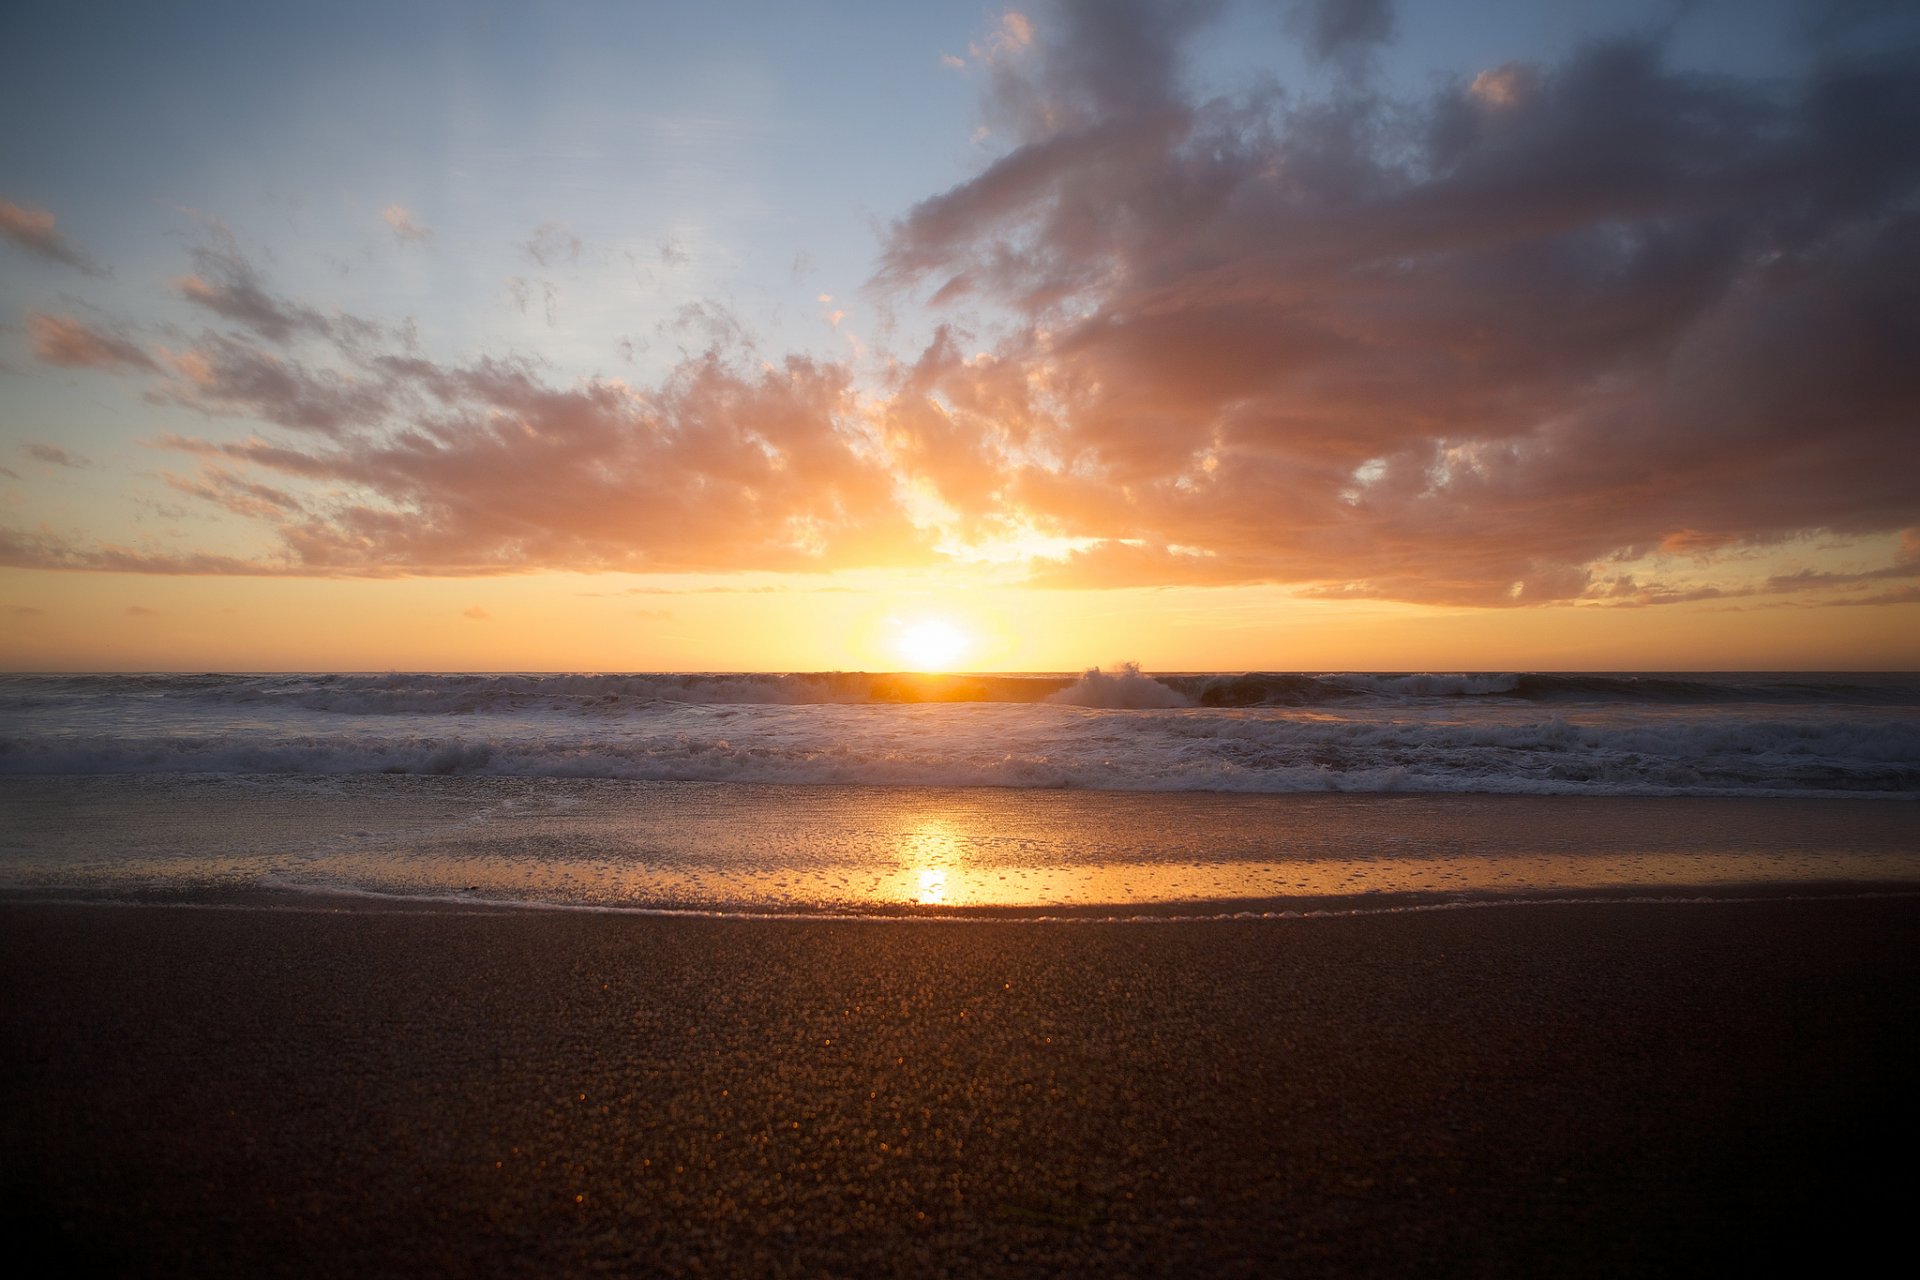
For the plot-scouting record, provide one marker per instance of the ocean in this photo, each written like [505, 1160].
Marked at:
[1098, 794]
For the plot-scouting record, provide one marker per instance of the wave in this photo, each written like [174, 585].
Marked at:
[1123, 688]
[1072, 747]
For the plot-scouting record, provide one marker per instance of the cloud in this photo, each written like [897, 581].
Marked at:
[1342, 29]
[228, 285]
[1898, 595]
[1466, 348]
[23, 550]
[552, 244]
[520, 293]
[223, 488]
[1503, 86]
[1810, 578]
[476, 614]
[1590, 330]
[1011, 34]
[224, 375]
[404, 228]
[397, 464]
[141, 611]
[54, 454]
[73, 344]
[36, 231]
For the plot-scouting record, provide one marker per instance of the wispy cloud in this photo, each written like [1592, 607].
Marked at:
[404, 228]
[54, 455]
[552, 244]
[73, 344]
[37, 231]
[227, 284]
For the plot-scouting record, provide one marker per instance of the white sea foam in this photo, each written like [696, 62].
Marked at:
[1123, 688]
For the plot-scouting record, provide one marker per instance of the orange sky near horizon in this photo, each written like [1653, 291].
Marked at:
[578, 622]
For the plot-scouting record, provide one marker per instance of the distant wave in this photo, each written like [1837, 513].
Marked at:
[1064, 746]
[1126, 688]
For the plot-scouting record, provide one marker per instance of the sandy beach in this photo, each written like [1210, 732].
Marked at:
[1594, 1089]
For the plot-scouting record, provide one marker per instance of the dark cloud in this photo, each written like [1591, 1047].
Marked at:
[73, 344]
[1342, 29]
[1464, 349]
[54, 454]
[37, 231]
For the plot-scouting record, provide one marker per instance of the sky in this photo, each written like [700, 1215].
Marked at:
[1312, 334]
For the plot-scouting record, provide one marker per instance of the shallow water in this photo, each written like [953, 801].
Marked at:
[754, 848]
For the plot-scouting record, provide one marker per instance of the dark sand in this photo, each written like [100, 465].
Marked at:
[1543, 1090]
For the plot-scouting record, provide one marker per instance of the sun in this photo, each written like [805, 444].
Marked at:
[931, 644]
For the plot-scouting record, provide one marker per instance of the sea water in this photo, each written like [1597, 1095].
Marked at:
[864, 793]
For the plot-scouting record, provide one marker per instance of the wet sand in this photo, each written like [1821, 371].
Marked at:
[1590, 1089]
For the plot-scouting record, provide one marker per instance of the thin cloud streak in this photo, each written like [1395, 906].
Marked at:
[37, 231]
[70, 343]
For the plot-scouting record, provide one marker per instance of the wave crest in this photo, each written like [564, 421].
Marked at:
[1124, 688]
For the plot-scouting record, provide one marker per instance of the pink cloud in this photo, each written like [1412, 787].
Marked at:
[404, 228]
[400, 465]
[37, 231]
[73, 344]
[1424, 350]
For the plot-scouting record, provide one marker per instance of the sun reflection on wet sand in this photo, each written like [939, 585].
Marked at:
[930, 857]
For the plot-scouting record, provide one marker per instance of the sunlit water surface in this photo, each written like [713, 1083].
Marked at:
[753, 848]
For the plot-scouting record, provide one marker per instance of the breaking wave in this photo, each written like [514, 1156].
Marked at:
[1071, 746]
[1125, 687]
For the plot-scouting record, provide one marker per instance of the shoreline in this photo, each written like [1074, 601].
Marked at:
[334, 901]
[775, 851]
[1627, 1087]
